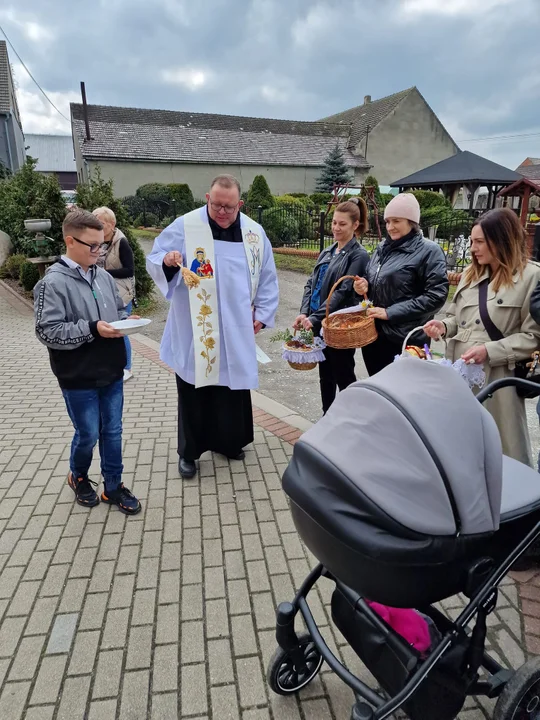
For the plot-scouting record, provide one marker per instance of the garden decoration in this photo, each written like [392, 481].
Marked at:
[303, 352]
[473, 374]
[351, 327]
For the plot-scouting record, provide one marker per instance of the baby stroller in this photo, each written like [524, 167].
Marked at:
[402, 493]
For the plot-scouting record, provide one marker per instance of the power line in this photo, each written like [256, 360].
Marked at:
[502, 137]
[32, 77]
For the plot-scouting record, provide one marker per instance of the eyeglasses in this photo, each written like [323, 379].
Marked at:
[229, 209]
[94, 247]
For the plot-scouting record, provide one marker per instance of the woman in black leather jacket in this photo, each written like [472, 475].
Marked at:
[345, 257]
[407, 282]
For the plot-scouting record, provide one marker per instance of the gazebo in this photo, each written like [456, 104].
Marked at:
[465, 169]
[523, 189]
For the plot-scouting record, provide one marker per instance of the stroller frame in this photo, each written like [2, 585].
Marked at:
[482, 591]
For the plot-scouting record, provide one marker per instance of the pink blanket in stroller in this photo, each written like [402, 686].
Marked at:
[407, 623]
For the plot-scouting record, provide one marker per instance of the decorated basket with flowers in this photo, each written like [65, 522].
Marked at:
[302, 351]
[351, 327]
[473, 374]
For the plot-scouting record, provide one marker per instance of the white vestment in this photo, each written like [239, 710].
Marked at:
[238, 362]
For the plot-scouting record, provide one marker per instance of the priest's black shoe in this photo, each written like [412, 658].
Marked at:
[187, 468]
[239, 456]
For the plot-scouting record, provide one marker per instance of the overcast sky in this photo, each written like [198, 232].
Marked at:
[477, 62]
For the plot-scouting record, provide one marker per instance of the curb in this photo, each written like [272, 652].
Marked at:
[16, 296]
[280, 420]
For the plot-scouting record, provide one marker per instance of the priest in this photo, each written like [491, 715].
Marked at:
[209, 338]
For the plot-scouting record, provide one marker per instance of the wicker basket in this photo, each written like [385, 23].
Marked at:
[298, 365]
[362, 334]
[302, 366]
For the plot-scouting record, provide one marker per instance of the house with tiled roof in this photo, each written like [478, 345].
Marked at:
[134, 146]
[12, 153]
[397, 135]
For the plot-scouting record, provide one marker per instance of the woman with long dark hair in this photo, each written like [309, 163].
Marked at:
[345, 257]
[489, 321]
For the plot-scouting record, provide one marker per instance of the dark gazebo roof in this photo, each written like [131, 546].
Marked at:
[464, 168]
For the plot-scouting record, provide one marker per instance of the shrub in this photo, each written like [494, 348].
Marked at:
[259, 194]
[198, 204]
[13, 266]
[29, 276]
[134, 206]
[100, 192]
[450, 222]
[166, 221]
[182, 198]
[150, 219]
[320, 200]
[28, 194]
[298, 195]
[386, 197]
[281, 226]
[428, 199]
[151, 192]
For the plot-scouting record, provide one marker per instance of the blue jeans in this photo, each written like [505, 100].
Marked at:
[128, 308]
[96, 415]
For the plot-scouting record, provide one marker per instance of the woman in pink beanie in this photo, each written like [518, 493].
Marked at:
[406, 280]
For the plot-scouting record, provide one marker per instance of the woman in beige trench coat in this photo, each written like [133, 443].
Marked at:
[498, 250]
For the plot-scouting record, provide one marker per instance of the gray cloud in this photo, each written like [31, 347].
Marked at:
[475, 63]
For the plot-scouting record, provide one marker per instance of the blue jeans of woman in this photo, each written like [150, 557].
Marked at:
[96, 415]
[129, 308]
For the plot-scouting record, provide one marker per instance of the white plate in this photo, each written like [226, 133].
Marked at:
[128, 327]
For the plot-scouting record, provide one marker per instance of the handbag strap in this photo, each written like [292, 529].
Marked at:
[491, 329]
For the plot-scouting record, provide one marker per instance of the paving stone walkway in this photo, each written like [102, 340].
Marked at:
[169, 614]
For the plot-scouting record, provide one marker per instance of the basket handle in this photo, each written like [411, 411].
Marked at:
[334, 286]
[409, 336]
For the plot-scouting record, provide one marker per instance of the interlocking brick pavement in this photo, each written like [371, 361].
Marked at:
[169, 614]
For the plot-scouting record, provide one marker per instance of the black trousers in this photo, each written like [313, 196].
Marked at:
[380, 354]
[337, 371]
[213, 418]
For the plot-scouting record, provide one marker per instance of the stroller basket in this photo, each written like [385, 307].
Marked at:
[392, 661]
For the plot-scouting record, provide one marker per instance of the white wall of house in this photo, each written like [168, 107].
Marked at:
[409, 139]
[128, 176]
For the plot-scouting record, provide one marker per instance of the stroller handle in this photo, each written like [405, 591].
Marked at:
[488, 391]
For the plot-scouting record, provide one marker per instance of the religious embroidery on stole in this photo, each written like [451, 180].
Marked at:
[201, 266]
[206, 338]
[255, 253]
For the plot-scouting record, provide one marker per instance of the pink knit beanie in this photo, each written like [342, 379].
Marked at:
[404, 206]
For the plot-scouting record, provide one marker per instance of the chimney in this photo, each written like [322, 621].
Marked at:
[367, 99]
[85, 112]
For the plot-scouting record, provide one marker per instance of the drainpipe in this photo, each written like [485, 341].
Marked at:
[10, 156]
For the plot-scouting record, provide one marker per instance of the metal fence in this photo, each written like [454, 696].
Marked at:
[298, 227]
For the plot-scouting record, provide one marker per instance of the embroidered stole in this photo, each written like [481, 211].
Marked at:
[203, 300]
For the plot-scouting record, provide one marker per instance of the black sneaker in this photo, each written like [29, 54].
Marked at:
[123, 498]
[84, 491]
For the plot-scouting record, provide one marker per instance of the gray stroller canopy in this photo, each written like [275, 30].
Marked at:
[418, 444]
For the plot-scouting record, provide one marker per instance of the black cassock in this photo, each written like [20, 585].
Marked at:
[214, 417]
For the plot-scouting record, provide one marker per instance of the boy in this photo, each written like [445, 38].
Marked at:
[74, 304]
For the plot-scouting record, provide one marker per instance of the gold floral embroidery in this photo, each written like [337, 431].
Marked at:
[206, 338]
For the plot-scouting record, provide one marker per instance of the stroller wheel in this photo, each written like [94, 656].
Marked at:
[520, 699]
[282, 675]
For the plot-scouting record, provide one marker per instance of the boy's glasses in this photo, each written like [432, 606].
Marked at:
[94, 247]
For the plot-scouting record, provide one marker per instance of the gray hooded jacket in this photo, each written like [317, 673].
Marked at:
[67, 310]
